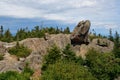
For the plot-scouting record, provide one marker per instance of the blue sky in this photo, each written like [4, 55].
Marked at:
[103, 14]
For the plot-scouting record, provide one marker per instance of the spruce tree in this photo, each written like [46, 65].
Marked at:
[116, 49]
[1, 31]
[110, 35]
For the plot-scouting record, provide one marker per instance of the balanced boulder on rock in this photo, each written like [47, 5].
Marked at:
[80, 33]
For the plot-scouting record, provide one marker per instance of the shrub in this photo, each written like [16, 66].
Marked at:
[104, 66]
[63, 70]
[20, 51]
[27, 69]
[12, 75]
[52, 56]
[55, 54]
[68, 53]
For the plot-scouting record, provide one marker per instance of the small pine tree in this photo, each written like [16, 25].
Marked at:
[116, 49]
[67, 30]
[1, 32]
[110, 35]
[68, 53]
[52, 57]
[7, 37]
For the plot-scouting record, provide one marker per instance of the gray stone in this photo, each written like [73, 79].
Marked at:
[81, 50]
[39, 47]
[80, 33]
[34, 60]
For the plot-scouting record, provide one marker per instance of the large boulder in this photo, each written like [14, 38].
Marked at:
[80, 33]
[103, 46]
[42, 44]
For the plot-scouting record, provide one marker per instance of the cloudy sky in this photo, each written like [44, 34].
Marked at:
[103, 14]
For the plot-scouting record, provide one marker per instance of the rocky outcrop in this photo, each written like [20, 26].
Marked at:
[34, 60]
[80, 33]
[103, 46]
[39, 47]
[11, 63]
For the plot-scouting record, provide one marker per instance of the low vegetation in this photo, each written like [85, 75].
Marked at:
[103, 66]
[64, 65]
[13, 75]
[19, 51]
[63, 70]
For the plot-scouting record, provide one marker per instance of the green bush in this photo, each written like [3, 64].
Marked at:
[52, 56]
[20, 51]
[68, 53]
[27, 69]
[12, 75]
[55, 54]
[104, 66]
[63, 70]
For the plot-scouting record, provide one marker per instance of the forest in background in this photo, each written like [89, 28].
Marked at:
[23, 33]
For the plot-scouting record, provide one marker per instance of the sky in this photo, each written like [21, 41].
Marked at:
[103, 14]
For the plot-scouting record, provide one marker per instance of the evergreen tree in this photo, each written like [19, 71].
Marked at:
[103, 66]
[21, 34]
[116, 49]
[1, 31]
[67, 30]
[37, 28]
[68, 53]
[63, 70]
[110, 35]
[52, 57]
[7, 36]
[57, 30]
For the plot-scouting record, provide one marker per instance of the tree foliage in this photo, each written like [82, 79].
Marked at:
[64, 65]
[13, 75]
[116, 49]
[19, 50]
[103, 66]
[7, 36]
[62, 70]
[110, 37]
[24, 33]
[55, 54]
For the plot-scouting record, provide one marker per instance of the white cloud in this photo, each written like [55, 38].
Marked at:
[111, 26]
[105, 25]
[68, 11]
[41, 8]
[12, 10]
